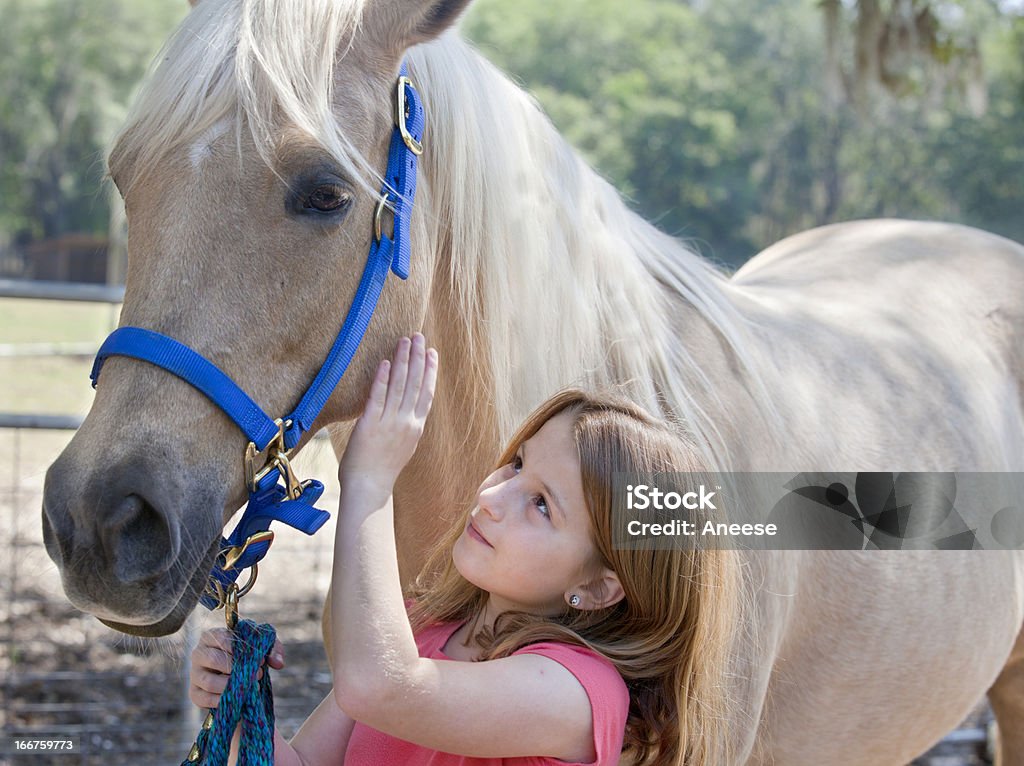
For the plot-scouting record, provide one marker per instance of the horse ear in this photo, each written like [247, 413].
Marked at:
[440, 14]
[397, 25]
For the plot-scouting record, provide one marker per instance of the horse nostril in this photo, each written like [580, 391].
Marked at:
[58, 543]
[140, 542]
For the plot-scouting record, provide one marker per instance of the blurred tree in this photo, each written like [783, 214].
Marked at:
[67, 71]
[923, 47]
[982, 160]
[738, 127]
[730, 124]
[645, 94]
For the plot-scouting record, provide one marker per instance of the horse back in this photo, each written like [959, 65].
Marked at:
[884, 248]
[908, 332]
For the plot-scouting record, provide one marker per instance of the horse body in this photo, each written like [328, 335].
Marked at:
[871, 666]
[880, 345]
[910, 332]
[888, 345]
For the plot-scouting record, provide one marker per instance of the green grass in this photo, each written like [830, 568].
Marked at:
[47, 384]
[33, 321]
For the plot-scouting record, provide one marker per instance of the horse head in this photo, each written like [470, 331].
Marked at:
[250, 168]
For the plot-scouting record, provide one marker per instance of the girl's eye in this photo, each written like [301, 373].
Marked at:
[542, 505]
[538, 500]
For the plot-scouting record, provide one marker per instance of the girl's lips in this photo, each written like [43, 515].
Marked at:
[475, 533]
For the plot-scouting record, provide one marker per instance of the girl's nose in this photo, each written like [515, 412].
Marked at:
[492, 500]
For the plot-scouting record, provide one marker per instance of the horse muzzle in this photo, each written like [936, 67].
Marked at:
[115, 533]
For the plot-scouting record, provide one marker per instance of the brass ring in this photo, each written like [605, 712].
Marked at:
[215, 590]
[381, 204]
[253, 571]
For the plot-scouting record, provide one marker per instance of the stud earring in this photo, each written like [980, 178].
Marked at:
[574, 600]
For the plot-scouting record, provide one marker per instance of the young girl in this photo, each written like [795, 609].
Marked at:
[535, 641]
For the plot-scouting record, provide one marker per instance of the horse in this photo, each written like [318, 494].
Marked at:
[250, 165]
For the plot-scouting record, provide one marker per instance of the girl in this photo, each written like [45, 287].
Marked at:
[536, 641]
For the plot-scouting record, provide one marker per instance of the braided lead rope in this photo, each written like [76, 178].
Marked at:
[245, 699]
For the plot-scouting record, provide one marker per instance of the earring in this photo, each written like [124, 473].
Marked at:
[574, 600]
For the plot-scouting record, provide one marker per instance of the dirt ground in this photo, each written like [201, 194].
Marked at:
[64, 673]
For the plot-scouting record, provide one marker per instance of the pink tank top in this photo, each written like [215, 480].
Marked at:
[609, 703]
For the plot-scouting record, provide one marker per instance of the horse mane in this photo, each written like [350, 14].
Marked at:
[583, 288]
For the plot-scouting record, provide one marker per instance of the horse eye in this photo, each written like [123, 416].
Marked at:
[328, 199]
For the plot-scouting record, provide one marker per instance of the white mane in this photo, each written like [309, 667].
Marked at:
[559, 283]
[589, 288]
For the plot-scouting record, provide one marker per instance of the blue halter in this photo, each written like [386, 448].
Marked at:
[274, 492]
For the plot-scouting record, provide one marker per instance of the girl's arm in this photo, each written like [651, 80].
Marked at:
[320, 741]
[516, 706]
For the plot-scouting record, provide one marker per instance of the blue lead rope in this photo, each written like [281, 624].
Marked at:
[245, 700]
[269, 500]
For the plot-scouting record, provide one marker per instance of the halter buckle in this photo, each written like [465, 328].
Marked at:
[231, 606]
[382, 203]
[224, 595]
[233, 554]
[276, 457]
[400, 116]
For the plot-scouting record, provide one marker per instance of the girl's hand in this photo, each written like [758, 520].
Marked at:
[211, 666]
[386, 435]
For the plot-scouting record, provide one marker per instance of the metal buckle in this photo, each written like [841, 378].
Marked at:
[382, 203]
[231, 557]
[217, 591]
[414, 146]
[233, 554]
[277, 457]
[231, 605]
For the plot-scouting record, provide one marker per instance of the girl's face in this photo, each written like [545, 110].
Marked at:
[528, 541]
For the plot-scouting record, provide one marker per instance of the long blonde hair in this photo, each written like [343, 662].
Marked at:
[669, 637]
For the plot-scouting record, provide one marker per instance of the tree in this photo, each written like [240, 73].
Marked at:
[738, 128]
[906, 47]
[644, 94]
[67, 72]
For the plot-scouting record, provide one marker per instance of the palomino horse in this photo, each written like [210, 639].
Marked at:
[248, 171]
